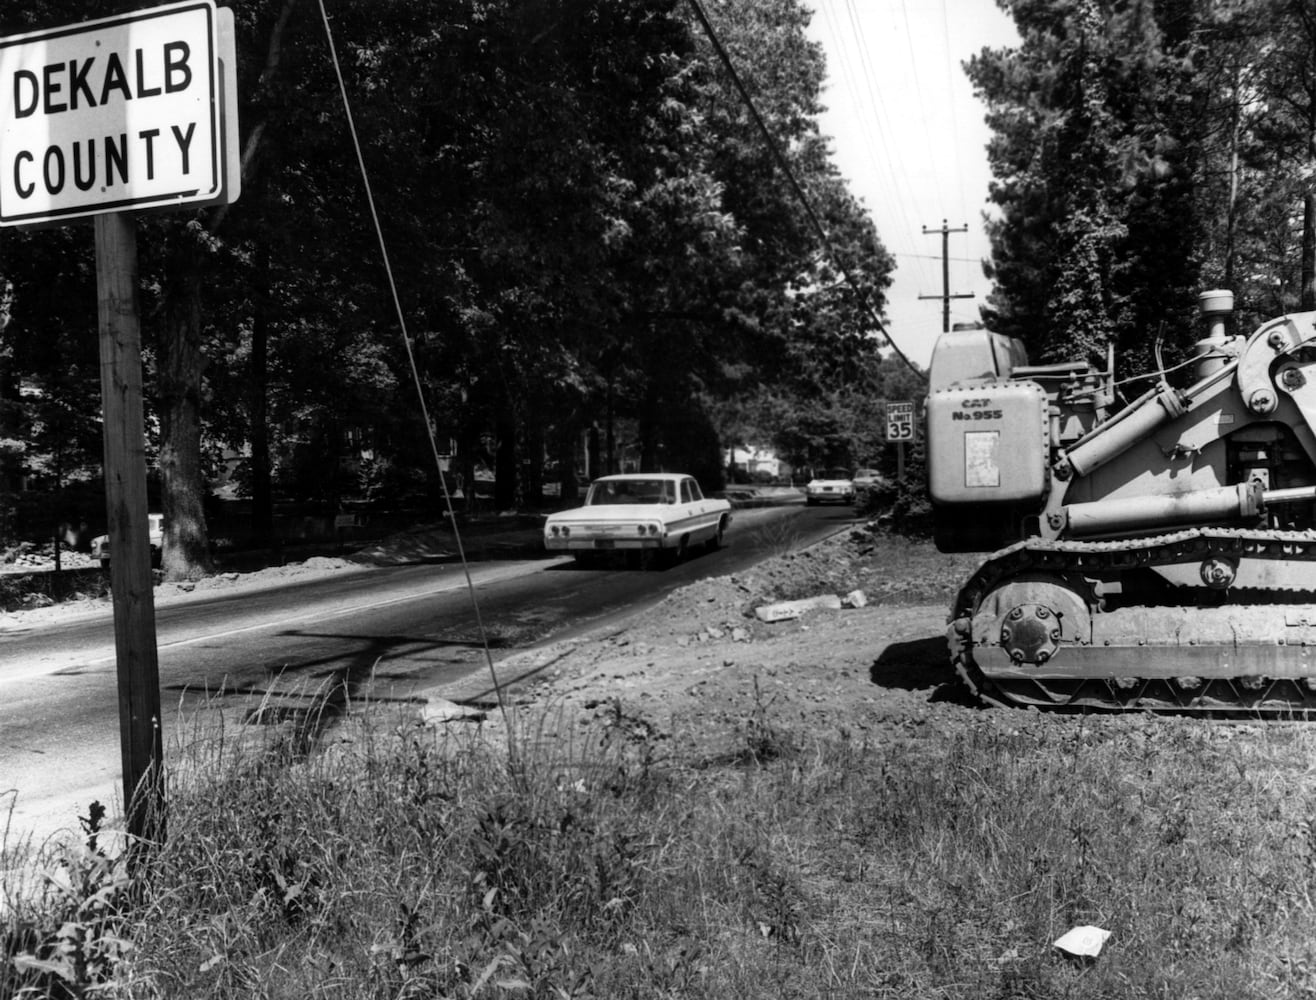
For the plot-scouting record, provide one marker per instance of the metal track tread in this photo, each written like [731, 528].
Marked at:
[1290, 696]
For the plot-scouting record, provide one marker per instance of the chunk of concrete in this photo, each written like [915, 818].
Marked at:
[439, 711]
[786, 610]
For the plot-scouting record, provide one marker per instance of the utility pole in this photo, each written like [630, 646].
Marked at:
[945, 295]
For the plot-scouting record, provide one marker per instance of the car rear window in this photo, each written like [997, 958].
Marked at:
[628, 491]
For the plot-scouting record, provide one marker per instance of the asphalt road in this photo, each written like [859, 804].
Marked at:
[264, 656]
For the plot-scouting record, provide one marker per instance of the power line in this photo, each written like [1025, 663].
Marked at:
[800, 196]
[914, 67]
[950, 106]
[937, 256]
[874, 107]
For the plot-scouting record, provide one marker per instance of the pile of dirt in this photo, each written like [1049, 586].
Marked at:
[704, 672]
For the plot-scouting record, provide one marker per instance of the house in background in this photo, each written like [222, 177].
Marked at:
[752, 464]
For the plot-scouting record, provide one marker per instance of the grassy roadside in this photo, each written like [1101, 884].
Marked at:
[938, 861]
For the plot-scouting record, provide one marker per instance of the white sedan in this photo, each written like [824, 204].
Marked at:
[638, 512]
[830, 485]
[100, 545]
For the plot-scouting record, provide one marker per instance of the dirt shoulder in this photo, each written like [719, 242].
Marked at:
[706, 672]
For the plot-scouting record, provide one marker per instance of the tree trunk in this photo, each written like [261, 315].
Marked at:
[649, 430]
[183, 488]
[505, 463]
[534, 465]
[468, 443]
[568, 489]
[262, 504]
[593, 453]
[609, 438]
[1231, 216]
[1308, 302]
[11, 444]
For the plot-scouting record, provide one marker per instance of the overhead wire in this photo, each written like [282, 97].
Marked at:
[411, 361]
[910, 233]
[864, 81]
[784, 165]
[925, 117]
[951, 105]
[914, 64]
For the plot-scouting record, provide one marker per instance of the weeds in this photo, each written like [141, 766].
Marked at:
[780, 536]
[83, 905]
[400, 863]
[763, 741]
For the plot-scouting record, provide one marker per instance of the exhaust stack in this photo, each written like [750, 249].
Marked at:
[1216, 306]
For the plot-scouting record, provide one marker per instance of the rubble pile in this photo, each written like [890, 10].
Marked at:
[29, 557]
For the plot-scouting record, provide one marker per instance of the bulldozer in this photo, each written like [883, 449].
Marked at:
[1152, 540]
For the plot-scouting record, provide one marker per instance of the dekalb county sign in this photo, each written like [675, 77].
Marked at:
[116, 114]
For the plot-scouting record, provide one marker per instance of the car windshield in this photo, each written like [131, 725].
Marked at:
[627, 491]
[834, 474]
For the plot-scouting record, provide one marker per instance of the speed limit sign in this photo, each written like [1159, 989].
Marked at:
[900, 421]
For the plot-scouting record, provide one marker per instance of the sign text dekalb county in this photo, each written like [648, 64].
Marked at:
[110, 115]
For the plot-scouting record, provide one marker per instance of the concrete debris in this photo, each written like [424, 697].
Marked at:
[739, 634]
[438, 711]
[786, 610]
[1082, 942]
[855, 599]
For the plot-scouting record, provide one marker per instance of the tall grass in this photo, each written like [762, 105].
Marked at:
[935, 860]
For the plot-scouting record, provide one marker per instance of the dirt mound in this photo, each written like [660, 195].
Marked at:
[714, 679]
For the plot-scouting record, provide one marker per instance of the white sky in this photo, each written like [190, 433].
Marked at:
[909, 136]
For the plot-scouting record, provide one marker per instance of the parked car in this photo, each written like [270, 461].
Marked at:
[100, 545]
[867, 479]
[639, 512]
[830, 486]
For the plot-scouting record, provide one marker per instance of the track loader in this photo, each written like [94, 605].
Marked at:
[1159, 554]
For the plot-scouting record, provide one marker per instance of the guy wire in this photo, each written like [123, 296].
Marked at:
[415, 371]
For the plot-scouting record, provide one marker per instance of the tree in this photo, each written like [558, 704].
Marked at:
[588, 232]
[1095, 157]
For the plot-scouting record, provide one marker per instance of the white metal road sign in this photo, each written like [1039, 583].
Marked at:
[900, 421]
[111, 115]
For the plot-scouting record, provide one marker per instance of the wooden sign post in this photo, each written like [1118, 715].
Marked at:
[140, 740]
